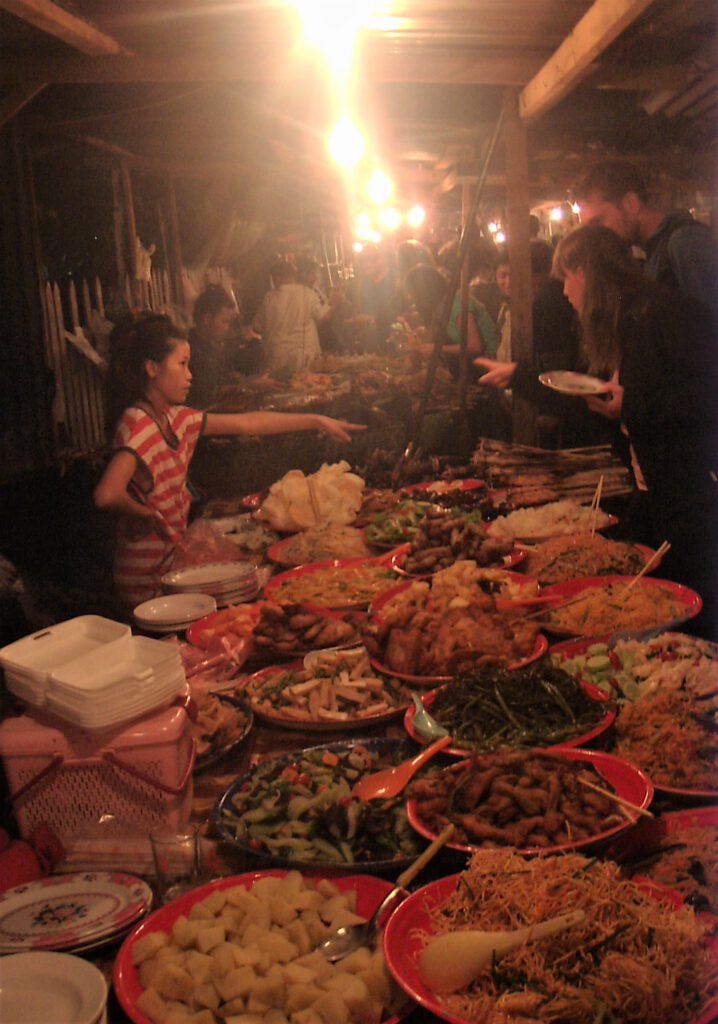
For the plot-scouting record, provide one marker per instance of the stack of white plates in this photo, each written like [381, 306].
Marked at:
[226, 582]
[71, 913]
[174, 612]
[53, 987]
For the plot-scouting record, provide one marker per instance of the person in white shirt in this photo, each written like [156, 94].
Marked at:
[287, 320]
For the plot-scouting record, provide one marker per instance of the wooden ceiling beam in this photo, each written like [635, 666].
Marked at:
[602, 23]
[49, 17]
[491, 69]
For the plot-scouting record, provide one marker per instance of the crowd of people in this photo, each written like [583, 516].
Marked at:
[646, 326]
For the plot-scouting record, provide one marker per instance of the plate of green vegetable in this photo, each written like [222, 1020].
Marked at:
[297, 810]
[398, 525]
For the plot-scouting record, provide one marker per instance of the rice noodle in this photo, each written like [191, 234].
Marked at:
[634, 960]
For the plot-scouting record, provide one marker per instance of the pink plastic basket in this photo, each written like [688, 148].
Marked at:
[130, 780]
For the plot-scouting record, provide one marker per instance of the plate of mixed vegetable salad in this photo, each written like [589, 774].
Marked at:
[397, 525]
[297, 810]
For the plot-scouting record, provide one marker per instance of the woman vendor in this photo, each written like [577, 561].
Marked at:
[155, 438]
[661, 347]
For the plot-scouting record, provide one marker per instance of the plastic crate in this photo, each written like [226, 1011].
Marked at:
[129, 780]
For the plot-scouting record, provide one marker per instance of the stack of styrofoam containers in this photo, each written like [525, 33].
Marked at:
[103, 739]
[92, 672]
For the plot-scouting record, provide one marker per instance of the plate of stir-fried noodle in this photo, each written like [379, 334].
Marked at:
[639, 957]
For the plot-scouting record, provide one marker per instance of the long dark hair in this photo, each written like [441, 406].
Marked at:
[132, 342]
[613, 282]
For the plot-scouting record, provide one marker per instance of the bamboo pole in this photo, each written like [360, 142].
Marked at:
[72, 406]
[99, 301]
[54, 362]
[77, 365]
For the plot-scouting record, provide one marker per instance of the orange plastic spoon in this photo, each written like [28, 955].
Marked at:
[390, 781]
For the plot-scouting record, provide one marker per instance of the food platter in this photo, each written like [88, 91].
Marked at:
[567, 558]
[242, 619]
[413, 919]
[598, 661]
[539, 649]
[280, 553]
[569, 383]
[688, 604]
[391, 827]
[336, 572]
[457, 750]
[398, 559]
[231, 745]
[628, 781]
[370, 891]
[535, 524]
[338, 721]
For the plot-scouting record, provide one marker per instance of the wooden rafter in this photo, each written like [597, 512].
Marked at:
[13, 101]
[56, 21]
[603, 22]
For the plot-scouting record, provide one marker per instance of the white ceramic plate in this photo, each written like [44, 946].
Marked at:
[174, 609]
[208, 575]
[53, 987]
[62, 911]
[570, 383]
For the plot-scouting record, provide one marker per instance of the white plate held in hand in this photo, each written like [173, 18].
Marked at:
[570, 383]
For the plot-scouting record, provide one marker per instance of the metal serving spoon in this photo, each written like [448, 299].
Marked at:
[423, 722]
[345, 940]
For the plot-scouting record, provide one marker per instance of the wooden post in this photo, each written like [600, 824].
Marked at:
[175, 244]
[128, 209]
[118, 226]
[464, 441]
[517, 212]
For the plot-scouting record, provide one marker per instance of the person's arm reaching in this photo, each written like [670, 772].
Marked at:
[258, 423]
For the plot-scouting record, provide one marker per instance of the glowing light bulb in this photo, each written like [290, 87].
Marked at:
[416, 216]
[346, 143]
[379, 187]
[575, 208]
[493, 227]
[556, 213]
[389, 218]
[358, 247]
[500, 237]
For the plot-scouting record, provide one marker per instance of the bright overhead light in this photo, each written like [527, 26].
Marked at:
[358, 247]
[416, 216]
[390, 218]
[493, 227]
[575, 208]
[346, 143]
[332, 25]
[556, 213]
[500, 237]
[379, 187]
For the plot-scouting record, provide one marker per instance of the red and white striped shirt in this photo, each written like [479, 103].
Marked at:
[159, 481]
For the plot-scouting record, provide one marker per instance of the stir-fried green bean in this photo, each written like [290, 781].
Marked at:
[537, 706]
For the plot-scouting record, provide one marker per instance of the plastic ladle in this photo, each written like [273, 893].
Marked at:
[452, 961]
[424, 723]
[390, 781]
[350, 937]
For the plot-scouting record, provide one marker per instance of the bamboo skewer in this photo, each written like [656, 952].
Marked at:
[596, 504]
[655, 557]
[313, 499]
[615, 797]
